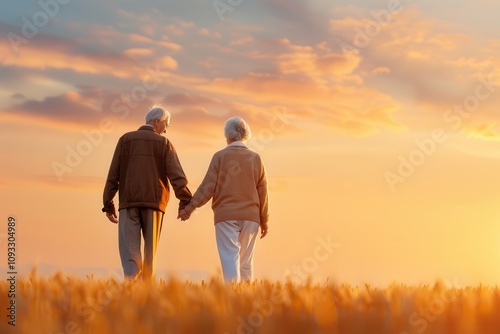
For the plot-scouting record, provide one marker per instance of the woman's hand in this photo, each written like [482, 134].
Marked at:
[185, 213]
[264, 229]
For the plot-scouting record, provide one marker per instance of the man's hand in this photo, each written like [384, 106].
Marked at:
[264, 229]
[185, 213]
[112, 217]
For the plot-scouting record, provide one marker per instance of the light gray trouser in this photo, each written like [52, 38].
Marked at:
[131, 222]
[236, 244]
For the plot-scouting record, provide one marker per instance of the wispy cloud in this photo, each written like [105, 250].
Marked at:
[211, 69]
[486, 131]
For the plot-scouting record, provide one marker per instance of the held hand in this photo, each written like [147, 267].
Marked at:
[112, 217]
[184, 214]
[264, 229]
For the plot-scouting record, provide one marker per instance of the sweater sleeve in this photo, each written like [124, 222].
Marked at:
[176, 176]
[112, 182]
[263, 195]
[206, 189]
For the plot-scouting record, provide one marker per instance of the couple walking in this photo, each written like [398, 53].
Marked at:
[143, 165]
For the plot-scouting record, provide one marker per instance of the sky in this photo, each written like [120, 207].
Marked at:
[376, 121]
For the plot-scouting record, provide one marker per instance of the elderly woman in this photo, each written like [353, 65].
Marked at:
[236, 180]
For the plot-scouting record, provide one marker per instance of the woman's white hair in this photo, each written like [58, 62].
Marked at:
[157, 112]
[237, 129]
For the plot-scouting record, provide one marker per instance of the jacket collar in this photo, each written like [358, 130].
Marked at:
[147, 127]
[237, 143]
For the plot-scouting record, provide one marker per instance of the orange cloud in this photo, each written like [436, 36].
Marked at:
[243, 40]
[359, 110]
[138, 52]
[430, 64]
[268, 88]
[330, 66]
[381, 70]
[485, 131]
[313, 77]
[38, 56]
[61, 54]
[211, 34]
[153, 44]
[168, 62]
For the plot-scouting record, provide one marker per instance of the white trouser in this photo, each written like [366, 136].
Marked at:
[131, 222]
[236, 243]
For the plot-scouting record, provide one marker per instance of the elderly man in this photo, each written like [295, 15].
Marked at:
[143, 164]
[236, 180]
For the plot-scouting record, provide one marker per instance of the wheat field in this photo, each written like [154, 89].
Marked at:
[65, 304]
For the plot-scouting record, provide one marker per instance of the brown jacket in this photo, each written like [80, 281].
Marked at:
[142, 165]
[236, 180]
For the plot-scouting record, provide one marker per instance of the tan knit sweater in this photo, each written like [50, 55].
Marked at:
[236, 180]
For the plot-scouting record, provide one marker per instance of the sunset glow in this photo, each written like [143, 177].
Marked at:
[377, 122]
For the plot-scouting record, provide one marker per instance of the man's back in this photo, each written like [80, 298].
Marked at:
[142, 165]
[143, 176]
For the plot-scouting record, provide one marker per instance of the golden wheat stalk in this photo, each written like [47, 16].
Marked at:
[69, 305]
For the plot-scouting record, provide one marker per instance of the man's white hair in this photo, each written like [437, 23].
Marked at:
[157, 112]
[237, 129]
